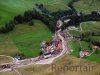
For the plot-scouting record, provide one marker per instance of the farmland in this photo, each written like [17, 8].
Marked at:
[87, 6]
[25, 39]
[87, 28]
[11, 8]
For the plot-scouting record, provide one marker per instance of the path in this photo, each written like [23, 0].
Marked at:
[17, 72]
[26, 62]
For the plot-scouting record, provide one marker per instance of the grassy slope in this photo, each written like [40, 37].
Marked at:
[85, 45]
[76, 47]
[87, 6]
[87, 27]
[4, 59]
[61, 64]
[58, 5]
[91, 26]
[26, 39]
[10, 8]
[96, 28]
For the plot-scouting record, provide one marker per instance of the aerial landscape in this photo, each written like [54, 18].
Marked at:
[49, 37]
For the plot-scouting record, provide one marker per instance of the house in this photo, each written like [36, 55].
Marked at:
[83, 53]
[95, 47]
[17, 58]
[47, 55]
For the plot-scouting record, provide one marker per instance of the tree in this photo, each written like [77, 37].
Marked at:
[28, 16]
[19, 19]
[31, 23]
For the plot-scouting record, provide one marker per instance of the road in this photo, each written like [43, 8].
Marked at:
[26, 62]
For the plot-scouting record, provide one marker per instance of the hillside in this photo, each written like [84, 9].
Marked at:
[87, 6]
[25, 39]
[11, 8]
[24, 32]
[62, 62]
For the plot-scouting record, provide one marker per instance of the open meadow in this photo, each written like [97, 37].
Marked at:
[64, 66]
[11, 8]
[87, 6]
[25, 39]
[87, 27]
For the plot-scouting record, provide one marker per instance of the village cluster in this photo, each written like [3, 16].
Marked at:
[53, 48]
[48, 49]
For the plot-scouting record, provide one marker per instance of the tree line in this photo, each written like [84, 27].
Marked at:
[30, 15]
[75, 20]
[50, 18]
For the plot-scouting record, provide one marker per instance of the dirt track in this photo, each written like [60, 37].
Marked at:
[25, 62]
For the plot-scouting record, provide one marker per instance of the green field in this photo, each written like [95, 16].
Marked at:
[76, 47]
[90, 26]
[85, 46]
[87, 27]
[87, 6]
[10, 8]
[25, 39]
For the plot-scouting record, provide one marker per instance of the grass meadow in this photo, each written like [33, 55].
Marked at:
[85, 46]
[87, 6]
[10, 8]
[25, 39]
[87, 27]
